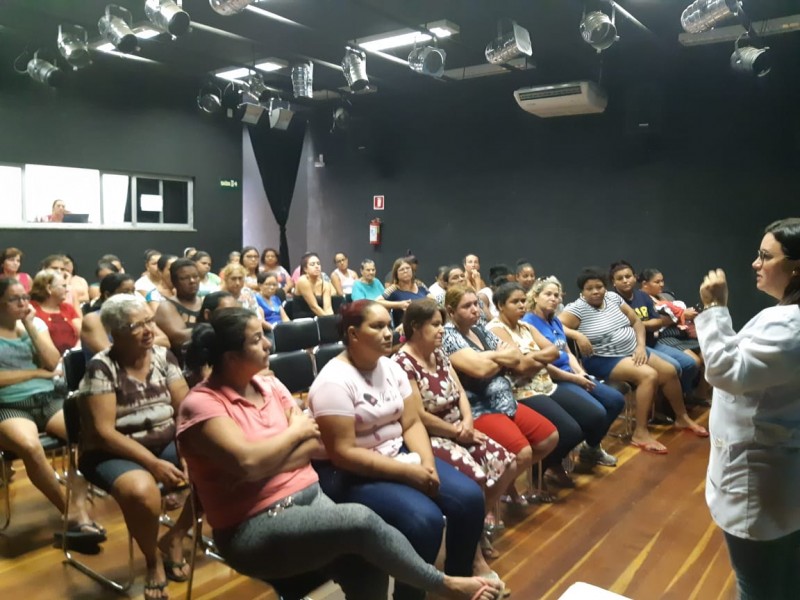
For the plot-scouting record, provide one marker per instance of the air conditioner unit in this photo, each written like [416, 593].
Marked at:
[575, 98]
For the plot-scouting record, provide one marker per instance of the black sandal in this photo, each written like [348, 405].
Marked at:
[174, 570]
[155, 586]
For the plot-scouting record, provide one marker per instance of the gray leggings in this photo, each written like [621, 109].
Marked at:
[348, 542]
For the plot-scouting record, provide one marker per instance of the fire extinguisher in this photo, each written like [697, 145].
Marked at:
[375, 232]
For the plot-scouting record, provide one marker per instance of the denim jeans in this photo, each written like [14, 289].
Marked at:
[602, 396]
[683, 363]
[767, 570]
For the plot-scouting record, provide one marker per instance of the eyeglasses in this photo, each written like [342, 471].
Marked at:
[340, 260]
[139, 326]
[18, 299]
[763, 256]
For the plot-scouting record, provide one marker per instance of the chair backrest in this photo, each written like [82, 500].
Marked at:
[328, 327]
[336, 303]
[74, 368]
[288, 308]
[295, 335]
[324, 353]
[293, 369]
[72, 418]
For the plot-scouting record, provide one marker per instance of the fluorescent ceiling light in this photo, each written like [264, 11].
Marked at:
[271, 64]
[234, 74]
[107, 47]
[407, 37]
[145, 33]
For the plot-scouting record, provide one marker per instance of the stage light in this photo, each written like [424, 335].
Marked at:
[280, 114]
[209, 98]
[354, 66]
[427, 60]
[303, 80]
[167, 16]
[598, 30]
[702, 15]
[115, 26]
[44, 71]
[509, 45]
[749, 60]
[73, 44]
[229, 7]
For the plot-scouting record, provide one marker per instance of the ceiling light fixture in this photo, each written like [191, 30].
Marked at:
[354, 66]
[73, 44]
[509, 45]
[702, 15]
[750, 60]
[427, 60]
[271, 64]
[227, 8]
[115, 26]
[303, 79]
[408, 37]
[167, 16]
[599, 30]
[280, 114]
[44, 71]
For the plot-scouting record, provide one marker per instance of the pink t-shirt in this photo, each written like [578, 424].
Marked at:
[374, 400]
[227, 500]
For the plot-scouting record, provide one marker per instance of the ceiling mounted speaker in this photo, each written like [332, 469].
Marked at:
[303, 80]
[354, 66]
[427, 60]
[115, 26]
[73, 44]
[167, 16]
[509, 45]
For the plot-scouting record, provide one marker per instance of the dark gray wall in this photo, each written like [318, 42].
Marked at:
[131, 117]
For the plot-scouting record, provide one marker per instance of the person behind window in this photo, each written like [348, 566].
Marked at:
[367, 287]
[57, 212]
[11, 261]
[48, 298]
[151, 276]
[342, 277]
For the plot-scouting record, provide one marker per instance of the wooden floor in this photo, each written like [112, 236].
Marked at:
[641, 530]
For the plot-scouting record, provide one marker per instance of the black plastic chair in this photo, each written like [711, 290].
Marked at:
[293, 369]
[336, 303]
[324, 353]
[288, 308]
[328, 327]
[299, 334]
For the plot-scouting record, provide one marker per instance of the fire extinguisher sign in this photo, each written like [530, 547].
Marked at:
[378, 203]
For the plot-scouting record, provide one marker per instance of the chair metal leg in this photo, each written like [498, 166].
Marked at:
[5, 476]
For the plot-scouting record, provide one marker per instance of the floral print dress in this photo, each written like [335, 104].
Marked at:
[485, 462]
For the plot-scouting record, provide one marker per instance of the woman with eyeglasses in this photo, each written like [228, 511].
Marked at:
[48, 298]
[270, 262]
[30, 404]
[753, 480]
[250, 260]
[249, 450]
[131, 394]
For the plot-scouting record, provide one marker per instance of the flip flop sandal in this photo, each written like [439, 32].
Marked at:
[155, 586]
[173, 570]
[82, 533]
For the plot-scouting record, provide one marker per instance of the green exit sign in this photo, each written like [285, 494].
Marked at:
[231, 184]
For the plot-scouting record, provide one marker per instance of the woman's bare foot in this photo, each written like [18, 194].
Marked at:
[645, 441]
[685, 422]
[471, 588]
[155, 582]
[171, 547]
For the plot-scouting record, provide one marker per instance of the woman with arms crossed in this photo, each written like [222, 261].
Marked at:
[753, 483]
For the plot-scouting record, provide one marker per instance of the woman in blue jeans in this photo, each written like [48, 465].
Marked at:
[543, 301]
[379, 454]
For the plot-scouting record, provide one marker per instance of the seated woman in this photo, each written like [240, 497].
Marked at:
[525, 274]
[367, 287]
[10, 262]
[250, 259]
[234, 258]
[575, 416]
[403, 289]
[617, 351]
[446, 413]
[176, 315]
[342, 277]
[543, 301]
[472, 272]
[233, 282]
[132, 391]
[151, 276]
[164, 288]
[271, 263]
[481, 360]
[269, 301]
[624, 281]
[312, 295]
[48, 294]
[379, 454]
[212, 304]
[209, 281]
[29, 403]
[77, 286]
[94, 337]
[453, 275]
[248, 448]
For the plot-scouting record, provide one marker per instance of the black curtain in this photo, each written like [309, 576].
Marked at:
[277, 154]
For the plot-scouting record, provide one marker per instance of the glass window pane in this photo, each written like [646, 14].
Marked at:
[78, 189]
[116, 199]
[176, 202]
[11, 195]
[146, 187]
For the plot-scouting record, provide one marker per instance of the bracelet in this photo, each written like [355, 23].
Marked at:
[713, 305]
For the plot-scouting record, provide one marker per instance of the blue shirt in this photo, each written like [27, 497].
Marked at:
[642, 304]
[554, 331]
[271, 308]
[362, 291]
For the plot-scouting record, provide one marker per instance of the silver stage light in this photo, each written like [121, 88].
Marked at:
[44, 71]
[509, 45]
[229, 7]
[751, 61]
[115, 26]
[254, 88]
[702, 15]
[341, 119]
[303, 80]
[167, 16]
[427, 60]
[73, 44]
[280, 114]
[251, 112]
[599, 30]
[354, 65]
[209, 98]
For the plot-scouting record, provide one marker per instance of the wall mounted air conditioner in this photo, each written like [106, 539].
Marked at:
[575, 98]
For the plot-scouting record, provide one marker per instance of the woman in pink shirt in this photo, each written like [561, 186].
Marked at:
[248, 448]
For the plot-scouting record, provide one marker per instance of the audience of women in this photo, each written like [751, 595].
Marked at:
[367, 287]
[209, 281]
[10, 263]
[613, 346]
[624, 281]
[248, 448]
[271, 263]
[566, 371]
[131, 394]
[752, 486]
[403, 289]
[378, 452]
[481, 359]
[312, 295]
[445, 410]
[48, 299]
[30, 404]
[342, 277]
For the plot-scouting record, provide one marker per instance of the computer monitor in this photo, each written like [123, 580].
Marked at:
[76, 218]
